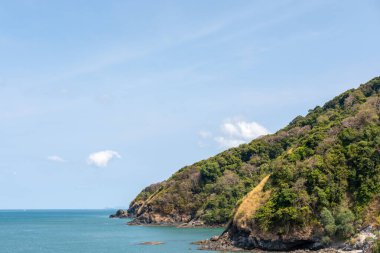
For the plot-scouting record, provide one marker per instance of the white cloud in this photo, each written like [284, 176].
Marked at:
[243, 130]
[56, 158]
[236, 132]
[101, 158]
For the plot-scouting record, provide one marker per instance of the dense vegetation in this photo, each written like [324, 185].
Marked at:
[331, 173]
[324, 167]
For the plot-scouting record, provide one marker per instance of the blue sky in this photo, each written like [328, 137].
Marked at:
[101, 98]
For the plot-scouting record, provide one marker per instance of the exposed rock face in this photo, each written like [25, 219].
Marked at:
[133, 208]
[265, 241]
[234, 239]
[146, 211]
[224, 243]
[157, 219]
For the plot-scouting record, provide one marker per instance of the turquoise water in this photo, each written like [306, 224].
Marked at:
[88, 231]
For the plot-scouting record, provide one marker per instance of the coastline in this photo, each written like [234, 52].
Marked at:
[224, 242]
[122, 214]
[191, 224]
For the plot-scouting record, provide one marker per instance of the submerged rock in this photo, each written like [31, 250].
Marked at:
[151, 243]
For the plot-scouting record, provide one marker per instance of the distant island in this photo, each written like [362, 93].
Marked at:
[313, 184]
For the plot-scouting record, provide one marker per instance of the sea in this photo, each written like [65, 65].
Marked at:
[90, 231]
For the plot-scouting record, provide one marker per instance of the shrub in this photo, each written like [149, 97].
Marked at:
[328, 222]
[326, 240]
[344, 223]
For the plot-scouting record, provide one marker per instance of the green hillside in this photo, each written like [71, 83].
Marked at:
[324, 176]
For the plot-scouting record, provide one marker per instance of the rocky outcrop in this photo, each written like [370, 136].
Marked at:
[218, 243]
[260, 240]
[234, 240]
[120, 214]
[224, 243]
[148, 218]
[364, 240]
[151, 243]
[146, 210]
[137, 204]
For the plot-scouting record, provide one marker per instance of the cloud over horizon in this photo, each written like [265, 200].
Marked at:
[101, 158]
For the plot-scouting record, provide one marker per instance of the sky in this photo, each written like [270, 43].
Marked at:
[99, 99]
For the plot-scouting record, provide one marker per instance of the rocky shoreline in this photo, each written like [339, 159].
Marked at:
[362, 242]
[120, 214]
[191, 224]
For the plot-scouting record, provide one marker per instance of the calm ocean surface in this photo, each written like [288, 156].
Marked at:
[89, 231]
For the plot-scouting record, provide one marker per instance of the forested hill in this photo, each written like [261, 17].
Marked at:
[322, 171]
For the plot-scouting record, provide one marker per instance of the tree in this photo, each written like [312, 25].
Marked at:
[210, 171]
